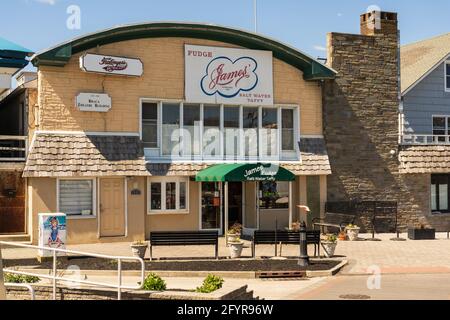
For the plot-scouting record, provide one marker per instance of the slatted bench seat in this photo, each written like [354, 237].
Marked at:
[285, 237]
[185, 238]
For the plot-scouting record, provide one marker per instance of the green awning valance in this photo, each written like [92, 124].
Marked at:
[244, 172]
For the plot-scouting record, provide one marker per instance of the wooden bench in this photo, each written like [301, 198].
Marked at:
[285, 237]
[185, 238]
[334, 220]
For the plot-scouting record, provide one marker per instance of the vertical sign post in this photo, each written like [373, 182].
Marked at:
[2, 284]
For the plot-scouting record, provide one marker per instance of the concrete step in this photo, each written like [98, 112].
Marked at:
[22, 238]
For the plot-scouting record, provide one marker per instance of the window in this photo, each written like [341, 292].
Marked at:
[191, 132]
[211, 200]
[269, 132]
[447, 76]
[150, 125]
[231, 124]
[168, 195]
[188, 131]
[274, 195]
[171, 129]
[211, 133]
[440, 193]
[287, 122]
[250, 125]
[76, 197]
[440, 127]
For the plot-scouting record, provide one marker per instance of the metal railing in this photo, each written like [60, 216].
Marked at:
[424, 139]
[13, 148]
[24, 286]
[55, 278]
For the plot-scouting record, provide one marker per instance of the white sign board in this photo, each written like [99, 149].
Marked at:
[93, 102]
[90, 62]
[228, 76]
[52, 232]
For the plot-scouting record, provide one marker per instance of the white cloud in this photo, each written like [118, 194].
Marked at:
[320, 48]
[49, 2]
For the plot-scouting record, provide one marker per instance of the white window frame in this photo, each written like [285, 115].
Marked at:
[285, 155]
[94, 198]
[163, 181]
[222, 198]
[447, 119]
[447, 62]
[158, 120]
[258, 198]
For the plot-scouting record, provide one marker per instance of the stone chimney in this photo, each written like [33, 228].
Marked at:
[379, 22]
[360, 115]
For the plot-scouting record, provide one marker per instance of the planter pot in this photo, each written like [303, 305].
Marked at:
[329, 248]
[139, 250]
[342, 236]
[233, 237]
[422, 234]
[353, 234]
[236, 249]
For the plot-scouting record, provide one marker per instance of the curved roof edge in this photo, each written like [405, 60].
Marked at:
[60, 55]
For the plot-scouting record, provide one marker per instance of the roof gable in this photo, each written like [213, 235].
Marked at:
[420, 58]
[60, 55]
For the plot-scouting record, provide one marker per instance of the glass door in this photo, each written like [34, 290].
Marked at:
[235, 202]
[211, 210]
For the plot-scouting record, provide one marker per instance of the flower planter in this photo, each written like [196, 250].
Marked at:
[329, 248]
[233, 237]
[139, 250]
[422, 234]
[353, 233]
[236, 249]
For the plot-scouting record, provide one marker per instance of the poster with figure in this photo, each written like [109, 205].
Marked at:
[52, 232]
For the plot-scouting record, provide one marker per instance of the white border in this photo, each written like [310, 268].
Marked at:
[94, 198]
[221, 158]
[164, 180]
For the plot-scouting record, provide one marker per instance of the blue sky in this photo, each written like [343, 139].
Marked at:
[39, 24]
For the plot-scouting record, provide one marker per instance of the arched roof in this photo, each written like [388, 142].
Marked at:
[60, 55]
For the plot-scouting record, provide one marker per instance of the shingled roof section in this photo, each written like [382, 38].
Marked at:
[424, 159]
[314, 158]
[417, 59]
[80, 155]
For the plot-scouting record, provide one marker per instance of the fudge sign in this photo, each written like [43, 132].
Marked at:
[111, 65]
[224, 75]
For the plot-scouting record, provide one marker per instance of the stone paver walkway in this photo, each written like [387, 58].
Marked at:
[389, 256]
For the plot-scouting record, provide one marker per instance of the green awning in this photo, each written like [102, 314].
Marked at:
[244, 172]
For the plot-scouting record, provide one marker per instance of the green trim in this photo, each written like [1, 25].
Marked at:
[244, 172]
[60, 55]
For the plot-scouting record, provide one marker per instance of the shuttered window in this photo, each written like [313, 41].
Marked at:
[76, 197]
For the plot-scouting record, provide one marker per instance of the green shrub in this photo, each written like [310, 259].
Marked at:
[153, 282]
[210, 284]
[18, 278]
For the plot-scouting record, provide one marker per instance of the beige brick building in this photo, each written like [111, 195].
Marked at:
[110, 170]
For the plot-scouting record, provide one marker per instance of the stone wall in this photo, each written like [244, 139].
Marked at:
[43, 292]
[361, 125]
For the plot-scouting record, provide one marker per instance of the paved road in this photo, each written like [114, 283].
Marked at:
[392, 287]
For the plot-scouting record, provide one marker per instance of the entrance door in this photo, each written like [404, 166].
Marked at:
[234, 204]
[112, 208]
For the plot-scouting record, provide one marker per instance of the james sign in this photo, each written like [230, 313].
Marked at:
[229, 76]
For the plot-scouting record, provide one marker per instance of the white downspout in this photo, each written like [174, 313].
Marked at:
[2, 284]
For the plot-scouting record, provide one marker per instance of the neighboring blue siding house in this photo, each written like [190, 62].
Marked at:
[424, 123]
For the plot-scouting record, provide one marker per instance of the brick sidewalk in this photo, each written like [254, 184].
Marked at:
[389, 256]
